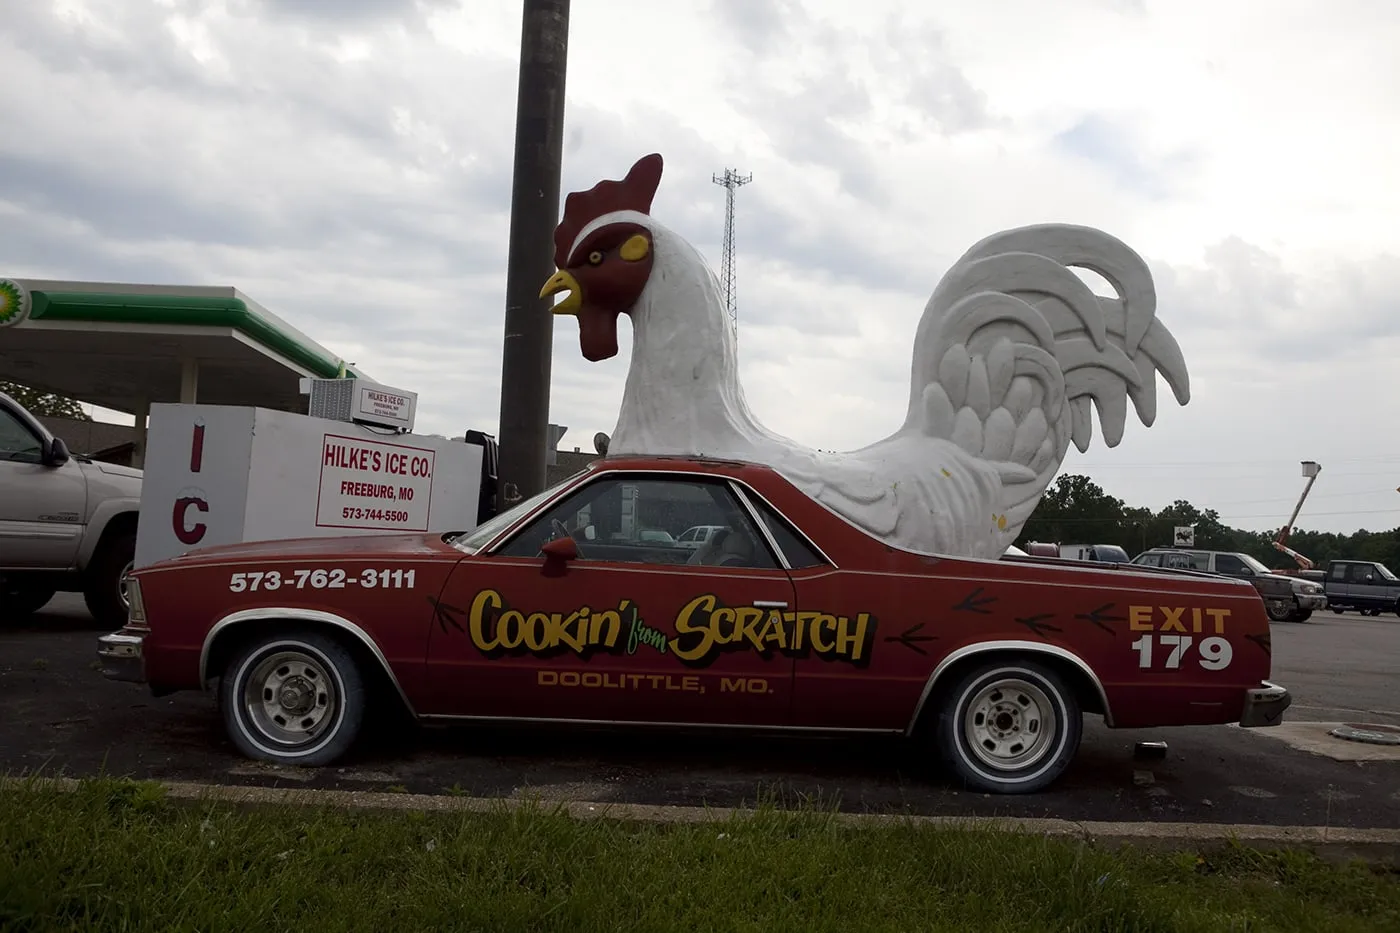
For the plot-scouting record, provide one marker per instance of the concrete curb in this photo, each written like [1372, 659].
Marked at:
[1342, 840]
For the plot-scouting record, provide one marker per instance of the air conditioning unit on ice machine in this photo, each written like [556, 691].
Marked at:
[361, 402]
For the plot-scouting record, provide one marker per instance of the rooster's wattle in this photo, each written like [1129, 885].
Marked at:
[1009, 353]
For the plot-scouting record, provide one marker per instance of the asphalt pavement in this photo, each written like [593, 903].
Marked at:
[59, 716]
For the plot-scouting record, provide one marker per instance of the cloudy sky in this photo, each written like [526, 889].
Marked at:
[347, 164]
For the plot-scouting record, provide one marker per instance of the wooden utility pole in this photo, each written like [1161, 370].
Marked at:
[534, 211]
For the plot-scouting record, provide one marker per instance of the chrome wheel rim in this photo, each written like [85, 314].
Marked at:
[124, 586]
[290, 698]
[1010, 724]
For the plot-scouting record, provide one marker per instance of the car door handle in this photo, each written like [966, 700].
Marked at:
[769, 604]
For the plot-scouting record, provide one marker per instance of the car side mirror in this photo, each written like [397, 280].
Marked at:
[55, 453]
[559, 549]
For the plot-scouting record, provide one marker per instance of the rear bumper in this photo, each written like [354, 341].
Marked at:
[1264, 705]
[122, 657]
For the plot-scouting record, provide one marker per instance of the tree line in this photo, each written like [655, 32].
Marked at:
[44, 404]
[1076, 510]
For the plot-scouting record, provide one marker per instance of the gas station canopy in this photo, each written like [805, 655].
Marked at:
[124, 347]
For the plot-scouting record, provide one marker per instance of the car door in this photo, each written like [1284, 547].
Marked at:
[630, 630]
[1338, 584]
[841, 678]
[41, 506]
[1367, 587]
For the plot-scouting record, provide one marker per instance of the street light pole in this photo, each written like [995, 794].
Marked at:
[534, 211]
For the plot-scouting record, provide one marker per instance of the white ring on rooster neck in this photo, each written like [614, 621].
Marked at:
[616, 217]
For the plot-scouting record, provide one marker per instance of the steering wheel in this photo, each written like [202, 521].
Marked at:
[560, 531]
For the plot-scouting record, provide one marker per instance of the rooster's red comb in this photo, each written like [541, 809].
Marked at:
[633, 193]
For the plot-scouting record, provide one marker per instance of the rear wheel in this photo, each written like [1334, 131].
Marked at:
[20, 599]
[1010, 727]
[293, 699]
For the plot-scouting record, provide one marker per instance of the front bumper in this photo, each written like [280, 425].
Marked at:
[1318, 602]
[122, 658]
[1264, 705]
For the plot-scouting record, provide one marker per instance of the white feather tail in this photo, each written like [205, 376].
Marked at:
[1014, 350]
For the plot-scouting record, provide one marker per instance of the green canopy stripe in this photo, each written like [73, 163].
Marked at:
[109, 308]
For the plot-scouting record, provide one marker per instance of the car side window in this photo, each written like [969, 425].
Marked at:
[17, 442]
[634, 520]
[1362, 573]
[1339, 571]
[1229, 563]
[798, 552]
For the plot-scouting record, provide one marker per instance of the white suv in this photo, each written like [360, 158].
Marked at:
[66, 522]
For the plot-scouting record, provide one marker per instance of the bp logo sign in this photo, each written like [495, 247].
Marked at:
[14, 302]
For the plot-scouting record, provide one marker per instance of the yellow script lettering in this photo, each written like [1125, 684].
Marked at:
[685, 626]
[486, 599]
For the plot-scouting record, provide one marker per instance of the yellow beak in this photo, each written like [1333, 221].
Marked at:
[559, 282]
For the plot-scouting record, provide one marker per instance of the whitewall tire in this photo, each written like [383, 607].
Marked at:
[293, 699]
[1010, 727]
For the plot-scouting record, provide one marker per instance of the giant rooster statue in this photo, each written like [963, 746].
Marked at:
[1010, 352]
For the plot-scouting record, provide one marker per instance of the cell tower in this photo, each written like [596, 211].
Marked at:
[731, 180]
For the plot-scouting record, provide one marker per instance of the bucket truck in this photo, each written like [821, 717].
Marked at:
[1310, 470]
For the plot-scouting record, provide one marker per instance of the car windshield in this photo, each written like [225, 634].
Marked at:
[1253, 564]
[1384, 571]
[474, 540]
[1111, 552]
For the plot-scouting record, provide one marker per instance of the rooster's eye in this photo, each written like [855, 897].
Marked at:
[595, 257]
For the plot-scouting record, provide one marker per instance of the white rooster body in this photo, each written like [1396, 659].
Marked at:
[1010, 351]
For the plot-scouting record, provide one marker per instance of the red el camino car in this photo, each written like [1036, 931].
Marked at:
[587, 604]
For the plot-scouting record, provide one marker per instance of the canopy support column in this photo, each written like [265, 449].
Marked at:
[138, 453]
[189, 380]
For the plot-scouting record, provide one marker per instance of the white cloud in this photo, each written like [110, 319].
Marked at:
[351, 170]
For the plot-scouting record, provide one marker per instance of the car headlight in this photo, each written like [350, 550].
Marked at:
[136, 609]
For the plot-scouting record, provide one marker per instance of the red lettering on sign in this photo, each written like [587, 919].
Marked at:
[197, 448]
[194, 533]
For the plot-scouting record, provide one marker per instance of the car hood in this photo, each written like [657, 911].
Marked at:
[347, 547]
[116, 469]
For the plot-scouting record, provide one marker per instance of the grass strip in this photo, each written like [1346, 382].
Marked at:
[119, 855]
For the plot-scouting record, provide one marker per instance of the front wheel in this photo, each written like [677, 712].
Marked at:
[1280, 611]
[1010, 727]
[293, 699]
[105, 585]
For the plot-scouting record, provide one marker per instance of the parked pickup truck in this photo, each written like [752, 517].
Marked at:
[1364, 585]
[66, 522]
[1286, 598]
